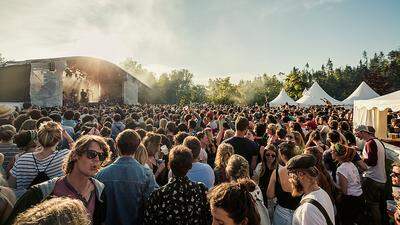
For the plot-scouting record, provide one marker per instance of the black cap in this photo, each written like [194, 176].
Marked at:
[299, 162]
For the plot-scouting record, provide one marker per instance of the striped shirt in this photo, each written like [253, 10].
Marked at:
[24, 169]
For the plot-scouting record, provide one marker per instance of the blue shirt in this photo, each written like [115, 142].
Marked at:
[203, 173]
[128, 184]
[69, 123]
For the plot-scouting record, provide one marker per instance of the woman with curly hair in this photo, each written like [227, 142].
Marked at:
[55, 211]
[84, 161]
[232, 203]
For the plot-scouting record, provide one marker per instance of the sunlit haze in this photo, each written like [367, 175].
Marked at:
[241, 39]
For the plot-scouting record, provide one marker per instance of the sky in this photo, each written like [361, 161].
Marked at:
[210, 38]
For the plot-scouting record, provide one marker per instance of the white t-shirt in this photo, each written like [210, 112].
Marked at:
[308, 214]
[203, 156]
[350, 172]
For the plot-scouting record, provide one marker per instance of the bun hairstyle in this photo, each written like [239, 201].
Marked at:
[50, 133]
[345, 153]
[236, 200]
[25, 138]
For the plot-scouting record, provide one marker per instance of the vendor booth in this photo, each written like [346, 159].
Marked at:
[373, 112]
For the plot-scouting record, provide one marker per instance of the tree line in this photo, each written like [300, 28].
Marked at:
[381, 72]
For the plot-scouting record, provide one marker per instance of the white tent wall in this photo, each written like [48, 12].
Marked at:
[374, 112]
[371, 117]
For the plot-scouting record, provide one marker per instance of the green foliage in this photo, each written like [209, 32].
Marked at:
[380, 72]
[222, 91]
[295, 83]
[252, 92]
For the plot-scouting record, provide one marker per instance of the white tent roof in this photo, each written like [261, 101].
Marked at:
[383, 102]
[363, 92]
[282, 99]
[305, 91]
[314, 96]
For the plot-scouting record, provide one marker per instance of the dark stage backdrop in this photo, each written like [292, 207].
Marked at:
[15, 83]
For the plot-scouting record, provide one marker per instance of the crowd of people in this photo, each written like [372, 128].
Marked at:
[198, 164]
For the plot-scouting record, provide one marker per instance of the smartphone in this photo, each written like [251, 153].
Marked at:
[164, 150]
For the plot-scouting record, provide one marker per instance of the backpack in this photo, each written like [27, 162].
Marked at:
[41, 176]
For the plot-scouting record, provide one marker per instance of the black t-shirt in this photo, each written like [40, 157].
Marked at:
[244, 147]
[351, 139]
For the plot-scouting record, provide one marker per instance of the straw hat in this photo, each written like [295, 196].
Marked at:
[5, 111]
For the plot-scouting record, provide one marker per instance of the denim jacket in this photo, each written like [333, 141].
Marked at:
[128, 184]
[116, 128]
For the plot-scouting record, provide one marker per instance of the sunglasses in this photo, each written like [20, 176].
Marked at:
[393, 174]
[91, 154]
[270, 155]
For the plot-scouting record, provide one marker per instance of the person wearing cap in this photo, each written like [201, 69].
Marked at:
[6, 114]
[374, 178]
[316, 207]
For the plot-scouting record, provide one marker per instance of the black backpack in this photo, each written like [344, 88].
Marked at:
[41, 176]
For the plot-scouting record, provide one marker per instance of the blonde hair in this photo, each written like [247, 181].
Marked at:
[224, 151]
[229, 133]
[49, 134]
[7, 132]
[299, 142]
[55, 211]
[81, 145]
[272, 127]
[237, 167]
[141, 154]
[163, 123]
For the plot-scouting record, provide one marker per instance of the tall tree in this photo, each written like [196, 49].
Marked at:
[295, 83]
[222, 91]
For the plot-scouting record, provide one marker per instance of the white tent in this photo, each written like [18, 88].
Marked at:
[305, 91]
[314, 96]
[373, 112]
[363, 92]
[282, 99]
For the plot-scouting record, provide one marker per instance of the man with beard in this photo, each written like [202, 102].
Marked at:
[316, 207]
